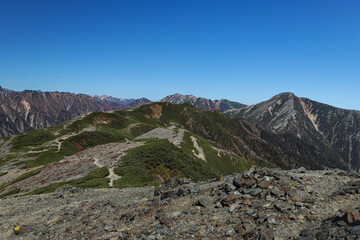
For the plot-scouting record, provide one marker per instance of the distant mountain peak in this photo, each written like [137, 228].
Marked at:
[139, 102]
[285, 95]
[332, 130]
[200, 102]
[110, 99]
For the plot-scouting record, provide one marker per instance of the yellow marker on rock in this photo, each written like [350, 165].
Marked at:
[17, 230]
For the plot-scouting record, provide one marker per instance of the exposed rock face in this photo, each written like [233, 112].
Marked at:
[5, 92]
[256, 204]
[23, 111]
[198, 102]
[329, 129]
[110, 99]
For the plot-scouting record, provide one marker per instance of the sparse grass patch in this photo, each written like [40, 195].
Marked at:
[227, 164]
[31, 138]
[3, 173]
[95, 179]
[11, 192]
[3, 161]
[43, 158]
[20, 178]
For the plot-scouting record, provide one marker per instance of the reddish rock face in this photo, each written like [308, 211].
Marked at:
[23, 111]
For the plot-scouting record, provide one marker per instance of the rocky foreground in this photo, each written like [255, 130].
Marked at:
[257, 204]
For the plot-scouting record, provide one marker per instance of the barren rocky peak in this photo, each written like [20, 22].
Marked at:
[256, 204]
[328, 128]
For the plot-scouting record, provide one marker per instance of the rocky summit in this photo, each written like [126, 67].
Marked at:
[259, 203]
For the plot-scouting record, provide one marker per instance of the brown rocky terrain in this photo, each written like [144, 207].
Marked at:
[256, 204]
[27, 110]
[23, 111]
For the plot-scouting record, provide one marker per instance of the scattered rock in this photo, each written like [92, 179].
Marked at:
[258, 204]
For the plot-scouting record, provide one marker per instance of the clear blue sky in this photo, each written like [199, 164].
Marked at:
[245, 51]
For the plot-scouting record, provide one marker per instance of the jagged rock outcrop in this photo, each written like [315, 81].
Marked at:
[330, 130]
[23, 111]
[256, 204]
[199, 102]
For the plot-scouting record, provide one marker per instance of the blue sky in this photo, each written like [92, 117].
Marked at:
[245, 51]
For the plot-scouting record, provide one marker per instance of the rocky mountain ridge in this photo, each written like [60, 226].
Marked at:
[5, 92]
[26, 110]
[138, 102]
[329, 129]
[110, 99]
[256, 204]
[205, 103]
[29, 109]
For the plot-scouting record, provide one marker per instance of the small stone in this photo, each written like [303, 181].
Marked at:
[206, 201]
[176, 214]
[109, 228]
[300, 170]
[267, 178]
[283, 206]
[244, 182]
[229, 187]
[264, 184]
[229, 199]
[306, 232]
[255, 192]
[193, 229]
[296, 195]
[250, 211]
[270, 198]
[229, 231]
[352, 217]
[272, 220]
[163, 231]
[151, 237]
[266, 235]
[233, 207]
[239, 228]
[277, 192]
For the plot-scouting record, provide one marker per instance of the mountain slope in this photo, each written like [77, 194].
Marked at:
[146, 145]
[104, 149]
[198, 102]
[331, 130]
[23, 111]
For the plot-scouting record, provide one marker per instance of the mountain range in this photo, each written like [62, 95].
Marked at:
[29, 109]
[146, 145]
[285, 131]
